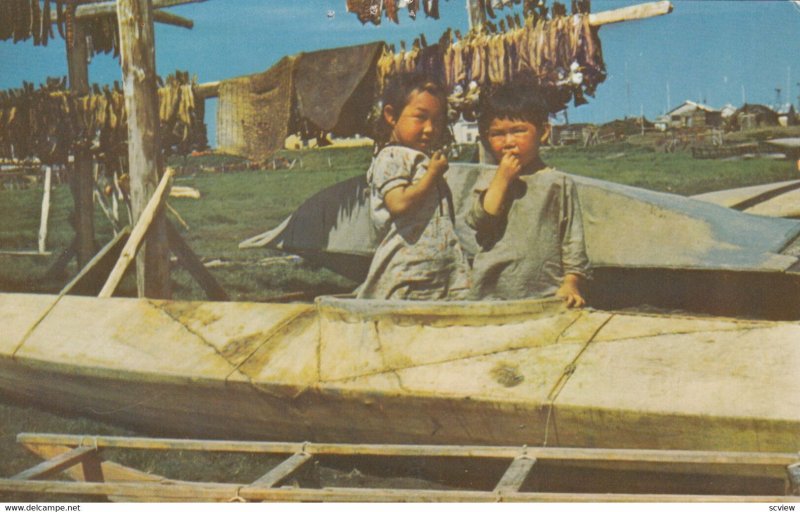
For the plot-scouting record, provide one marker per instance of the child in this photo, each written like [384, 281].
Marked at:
[527, 217]
[410, 203]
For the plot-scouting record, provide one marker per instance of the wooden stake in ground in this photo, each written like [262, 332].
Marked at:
[48, 172]
[137, 56]
[145, 223]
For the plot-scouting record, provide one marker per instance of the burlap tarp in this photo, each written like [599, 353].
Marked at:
[329, 90]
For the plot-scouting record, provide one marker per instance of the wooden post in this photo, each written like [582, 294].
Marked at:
[476, 15]
[48, 172]
[138, 59]
[81, 179]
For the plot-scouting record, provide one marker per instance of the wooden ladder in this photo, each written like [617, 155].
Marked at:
[79, 457]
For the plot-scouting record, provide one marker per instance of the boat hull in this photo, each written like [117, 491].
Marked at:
[525, 372]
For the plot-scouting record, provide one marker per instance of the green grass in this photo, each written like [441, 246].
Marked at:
[677, 173]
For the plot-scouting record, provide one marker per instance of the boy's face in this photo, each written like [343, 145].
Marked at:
[518, 137]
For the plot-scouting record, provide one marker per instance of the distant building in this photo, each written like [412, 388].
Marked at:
[690, 115]
[787, 115]
[752, 115]
[576, 133]
[465, 132]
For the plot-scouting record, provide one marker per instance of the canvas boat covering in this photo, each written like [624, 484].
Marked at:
[624, 226]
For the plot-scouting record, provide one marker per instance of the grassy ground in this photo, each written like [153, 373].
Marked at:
[237, 205]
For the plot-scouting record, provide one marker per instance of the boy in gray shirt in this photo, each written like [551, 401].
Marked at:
[526, 216]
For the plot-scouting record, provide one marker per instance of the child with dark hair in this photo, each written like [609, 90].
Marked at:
[526, 216]
[411, 205]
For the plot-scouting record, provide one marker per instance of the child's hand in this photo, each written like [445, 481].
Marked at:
[570, 292]
[438, 164]
[509, 168]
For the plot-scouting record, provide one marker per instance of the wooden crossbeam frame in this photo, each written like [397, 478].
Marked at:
[64, 451]
[57, 464]
[102, 8]
[282, 471]
[516, 474]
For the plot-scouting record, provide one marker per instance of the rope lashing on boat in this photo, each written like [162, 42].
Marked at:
[93, 445]
[236, 497]
[566, 373]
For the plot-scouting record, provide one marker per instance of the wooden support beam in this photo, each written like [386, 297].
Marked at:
[630, 13]
[138, 60]
[282, 471]
[94, 10]
[515, 475]
[189, 260]
[81, 177]
[207, 90]
[48, 172]
[172, 19]
[196, 492]
[56, 465]
[136, 239]
[84, 280]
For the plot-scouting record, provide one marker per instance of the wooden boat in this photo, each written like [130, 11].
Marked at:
[343, 370]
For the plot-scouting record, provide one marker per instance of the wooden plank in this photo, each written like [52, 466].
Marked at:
[189, 260]
[207, 90]
[138, 61]
[515, 475]
[403, 450]
[93, 10]
[630, 13]
[48, 172]
[172, 19]
[25, 253]
[282, 471]
[55, 465]
[111, 471]
[196, 492]
[137, 235]
[793, 474]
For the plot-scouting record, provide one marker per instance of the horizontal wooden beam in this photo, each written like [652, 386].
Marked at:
[196, 491]
[86, 11]
[56, 465]
[207, 90]
[631, 13]
[168, 18]
[410, 450]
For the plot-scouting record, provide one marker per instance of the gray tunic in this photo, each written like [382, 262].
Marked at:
[526, 251]
[419, 257]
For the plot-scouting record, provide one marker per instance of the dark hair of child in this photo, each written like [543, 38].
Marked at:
[397, 93]
[523, 100]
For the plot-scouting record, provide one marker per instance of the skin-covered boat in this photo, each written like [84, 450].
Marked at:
[518, 372]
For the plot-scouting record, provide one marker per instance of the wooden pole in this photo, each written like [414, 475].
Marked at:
[189, 260]
[630, 13]
[476, 15]
[138, 60]
[81, 179]
[144, 225]
[48, 172]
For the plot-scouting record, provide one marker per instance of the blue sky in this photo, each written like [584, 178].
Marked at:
[705, 50]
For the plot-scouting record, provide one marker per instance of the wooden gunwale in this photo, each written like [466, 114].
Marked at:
[406, 450]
